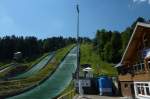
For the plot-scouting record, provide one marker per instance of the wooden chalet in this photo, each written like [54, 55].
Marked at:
[134, 68]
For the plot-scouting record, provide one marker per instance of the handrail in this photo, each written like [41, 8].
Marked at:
[68, 95]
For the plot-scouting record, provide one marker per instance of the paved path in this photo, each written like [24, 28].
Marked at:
[97, 97]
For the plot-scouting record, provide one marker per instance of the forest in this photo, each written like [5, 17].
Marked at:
[31, 47]
[110, 45]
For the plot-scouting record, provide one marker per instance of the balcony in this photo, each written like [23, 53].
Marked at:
[138, 68]
[134, 69]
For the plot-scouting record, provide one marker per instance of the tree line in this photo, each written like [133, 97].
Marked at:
[110, 45]
[31, 47]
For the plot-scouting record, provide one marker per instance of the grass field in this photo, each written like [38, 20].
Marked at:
[89, 56]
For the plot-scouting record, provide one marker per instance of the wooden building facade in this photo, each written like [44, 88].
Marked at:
[134, 68]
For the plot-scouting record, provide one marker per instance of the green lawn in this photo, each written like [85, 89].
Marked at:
[89, 56]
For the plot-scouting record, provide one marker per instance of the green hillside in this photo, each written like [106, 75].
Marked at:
[15, 86]
[89, 56]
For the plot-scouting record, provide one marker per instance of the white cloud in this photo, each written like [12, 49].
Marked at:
[140, 1]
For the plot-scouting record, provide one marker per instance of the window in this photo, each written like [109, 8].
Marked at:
[125, 85]
[87, 84]
[138, 90]
[142, 88]
[142, 66]
[147, 91]
[139, 67]
[135, 68]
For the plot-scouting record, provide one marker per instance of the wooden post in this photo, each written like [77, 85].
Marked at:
[146, 64]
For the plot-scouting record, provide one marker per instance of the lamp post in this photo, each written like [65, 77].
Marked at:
[78, 55]
[78, 69]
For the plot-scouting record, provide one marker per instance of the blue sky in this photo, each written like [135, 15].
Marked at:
[47, 18]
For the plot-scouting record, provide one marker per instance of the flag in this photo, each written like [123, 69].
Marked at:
[78, 8]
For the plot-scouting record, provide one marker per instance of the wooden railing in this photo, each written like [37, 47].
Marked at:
[68, 95]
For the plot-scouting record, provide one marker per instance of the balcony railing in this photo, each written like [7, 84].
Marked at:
[134, 69]
[138, 68]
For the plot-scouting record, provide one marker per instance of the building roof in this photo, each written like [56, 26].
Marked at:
[88, 69]
[134, 41]
[17, 53]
